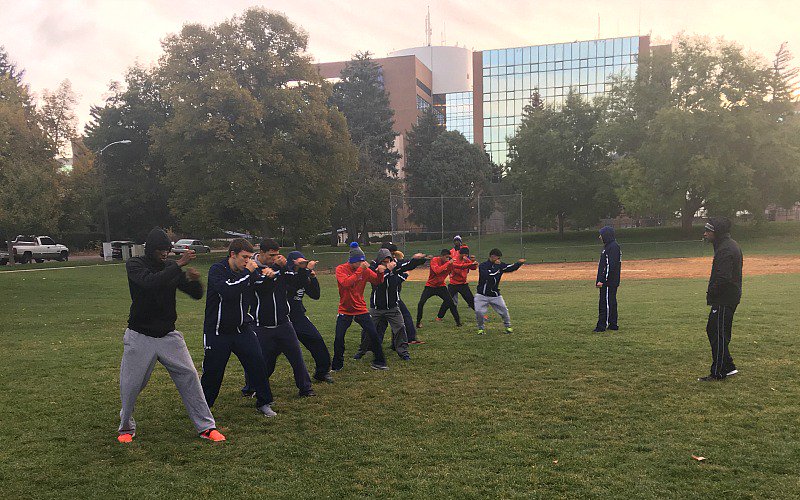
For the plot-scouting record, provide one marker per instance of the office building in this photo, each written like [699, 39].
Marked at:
[482, 94]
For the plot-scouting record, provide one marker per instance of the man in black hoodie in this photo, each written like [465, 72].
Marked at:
[151, 335]
[608, 273]
[723, 295]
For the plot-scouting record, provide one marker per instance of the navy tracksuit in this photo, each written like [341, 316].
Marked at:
[228, 328]
[307, 333]
[387, 296]
[608, 273]
[275, 332]
[723, 295]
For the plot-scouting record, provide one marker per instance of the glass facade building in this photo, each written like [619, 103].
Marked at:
[458, 113]
[510, 76]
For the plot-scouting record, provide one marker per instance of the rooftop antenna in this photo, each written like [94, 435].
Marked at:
[428, 31]
[639, 31]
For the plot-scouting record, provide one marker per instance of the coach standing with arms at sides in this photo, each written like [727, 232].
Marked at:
[151, 335]
[723, 295]
[608, 274]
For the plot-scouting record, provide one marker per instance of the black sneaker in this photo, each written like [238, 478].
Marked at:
[248, 394]
[732, 373]
[359, 355]
[613, 327]
[598, 330]
[324, 377]
[405, 357]
[709, 378]
[376, 366]
[308, 394]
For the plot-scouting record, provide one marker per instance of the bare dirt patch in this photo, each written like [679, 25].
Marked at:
[695, 267]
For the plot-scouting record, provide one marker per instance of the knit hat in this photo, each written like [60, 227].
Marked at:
[356, 254]
[293, 256]
[383, 253]
[457, 238]
[464, 250]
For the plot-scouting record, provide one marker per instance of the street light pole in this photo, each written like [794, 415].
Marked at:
[103, 184]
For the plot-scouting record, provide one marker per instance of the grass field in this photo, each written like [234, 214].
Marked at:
[550, 411]
[638, 243]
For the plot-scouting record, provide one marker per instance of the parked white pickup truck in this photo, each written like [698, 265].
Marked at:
[38, 248]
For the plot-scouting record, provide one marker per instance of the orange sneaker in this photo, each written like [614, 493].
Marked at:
[126, 438]
[212, 435]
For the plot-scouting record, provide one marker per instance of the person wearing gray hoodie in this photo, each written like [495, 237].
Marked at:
[151, 335]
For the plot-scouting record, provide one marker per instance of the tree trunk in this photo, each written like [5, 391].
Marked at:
[690, 207]
[364, 233]
[334, 235]
[561, 225]
[686, 223]
[10, 250]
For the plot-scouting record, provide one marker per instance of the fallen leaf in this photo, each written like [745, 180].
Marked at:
[699, 459]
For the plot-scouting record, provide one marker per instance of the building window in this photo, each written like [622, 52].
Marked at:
[511, 75]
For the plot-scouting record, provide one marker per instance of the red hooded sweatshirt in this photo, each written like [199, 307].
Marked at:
[440, 268]
[351, 288]
[461, 267]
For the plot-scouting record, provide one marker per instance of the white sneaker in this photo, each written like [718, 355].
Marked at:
[731, 373]
[267, 411]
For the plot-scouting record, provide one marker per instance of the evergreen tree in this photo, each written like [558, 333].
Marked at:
[418, 180]
[362, 98]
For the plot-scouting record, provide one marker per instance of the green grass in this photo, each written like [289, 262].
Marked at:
[768, 238]
[469, 416]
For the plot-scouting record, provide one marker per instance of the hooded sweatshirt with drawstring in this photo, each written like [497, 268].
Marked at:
[152, 285]
[610, 264]
[725, 283]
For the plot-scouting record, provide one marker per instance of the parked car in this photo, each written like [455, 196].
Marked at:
[3, 257]
[116, 248]
[181, 246]
[38, 248]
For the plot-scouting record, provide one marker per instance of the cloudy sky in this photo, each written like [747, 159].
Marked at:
[92, 42]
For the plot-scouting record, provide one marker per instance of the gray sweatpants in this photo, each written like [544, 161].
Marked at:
[394, 319]
[482, 303]
[139, 357]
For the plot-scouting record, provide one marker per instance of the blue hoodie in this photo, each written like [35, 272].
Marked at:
[608, 269]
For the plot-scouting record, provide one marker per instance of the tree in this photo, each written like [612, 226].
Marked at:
[701, 135]
[8, 68]
[783, 82]
[362, 98]
[28, 172]
[136, 195]
[452, 167]
[57, 116]
[419, 142]
[250, 134]
[559, 167]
